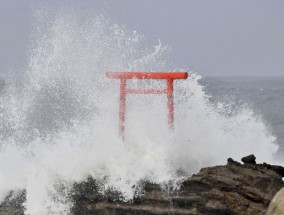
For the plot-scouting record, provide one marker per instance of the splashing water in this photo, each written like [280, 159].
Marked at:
[59, 123]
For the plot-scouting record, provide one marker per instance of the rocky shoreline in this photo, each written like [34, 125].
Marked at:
[230, 189]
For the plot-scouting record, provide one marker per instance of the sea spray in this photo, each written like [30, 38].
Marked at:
[59, 123]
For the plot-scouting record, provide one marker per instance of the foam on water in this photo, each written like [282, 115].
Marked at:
[59, 124]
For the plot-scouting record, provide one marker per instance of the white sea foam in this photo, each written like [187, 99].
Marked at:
[59, 125]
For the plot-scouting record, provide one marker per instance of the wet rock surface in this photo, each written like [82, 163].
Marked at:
[231, 189]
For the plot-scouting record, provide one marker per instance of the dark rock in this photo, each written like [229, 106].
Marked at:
[278, 169]
[250, 159]
[231, 189]
[231, 161]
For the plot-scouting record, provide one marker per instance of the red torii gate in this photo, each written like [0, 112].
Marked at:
[123, 76]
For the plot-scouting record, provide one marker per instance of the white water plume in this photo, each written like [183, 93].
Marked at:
[59, 124]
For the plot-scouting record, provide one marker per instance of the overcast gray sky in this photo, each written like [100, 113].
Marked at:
[211, 37]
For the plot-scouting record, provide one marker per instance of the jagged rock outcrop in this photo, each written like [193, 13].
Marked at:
[230, 189]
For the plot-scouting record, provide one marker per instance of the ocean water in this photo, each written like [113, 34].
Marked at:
[59, 119]
[264, 95]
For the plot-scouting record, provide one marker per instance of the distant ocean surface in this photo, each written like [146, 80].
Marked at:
[264, 95]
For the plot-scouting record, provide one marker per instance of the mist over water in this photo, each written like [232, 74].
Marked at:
[59, 122]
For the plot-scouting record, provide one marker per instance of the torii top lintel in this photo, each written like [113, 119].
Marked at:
[147, 75]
